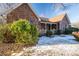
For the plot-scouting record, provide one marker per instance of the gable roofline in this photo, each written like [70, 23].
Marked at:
[67, 18]
[57, 18]
[43, 19]
[12, 8]
[29, 4]
[19, 4]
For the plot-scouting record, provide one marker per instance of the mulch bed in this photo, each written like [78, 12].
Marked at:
[8, 49]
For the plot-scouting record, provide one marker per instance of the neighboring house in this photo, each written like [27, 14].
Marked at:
[60, 22]
[22, 11]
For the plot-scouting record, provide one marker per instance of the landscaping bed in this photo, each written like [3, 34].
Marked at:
[51, 50]
[14, 36]
[9, 49]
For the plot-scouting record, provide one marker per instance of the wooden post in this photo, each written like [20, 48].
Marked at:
[45, 27]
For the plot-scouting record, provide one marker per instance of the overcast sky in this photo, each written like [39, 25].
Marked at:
[50, 10]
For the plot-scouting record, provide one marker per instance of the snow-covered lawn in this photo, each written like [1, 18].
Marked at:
[51, 50]
[53, 46]
[57, 39]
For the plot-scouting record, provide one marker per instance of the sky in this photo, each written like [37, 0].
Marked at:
[50, 10]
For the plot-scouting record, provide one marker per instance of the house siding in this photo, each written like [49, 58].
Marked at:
[60, 25]
[64, 24]
[22, 12]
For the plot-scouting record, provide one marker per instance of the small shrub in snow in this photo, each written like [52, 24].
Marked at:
[49, 33]
[70, 30]
[58, 32]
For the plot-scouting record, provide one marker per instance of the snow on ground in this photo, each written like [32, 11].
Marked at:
[62, 39]
[51, 50]
[53, 46]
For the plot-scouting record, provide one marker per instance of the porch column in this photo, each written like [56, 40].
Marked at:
[57, 26]
[45, 27]
[50, 26]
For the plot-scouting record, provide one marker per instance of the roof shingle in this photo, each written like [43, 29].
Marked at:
[57, 18]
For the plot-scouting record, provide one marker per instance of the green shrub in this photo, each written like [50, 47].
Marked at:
[20, 26]
[58, 32]
[75, 29]
[34, 33]
[20, 31]
[1, 33]
[68, 31]
[24, 32]
[49, 33]
[8, 37]
[5, 34]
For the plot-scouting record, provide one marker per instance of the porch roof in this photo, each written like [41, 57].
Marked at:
[57, 18]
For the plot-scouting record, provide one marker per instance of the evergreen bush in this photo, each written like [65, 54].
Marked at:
[20, 31]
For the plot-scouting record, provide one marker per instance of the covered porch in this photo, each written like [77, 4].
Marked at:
[50, 26]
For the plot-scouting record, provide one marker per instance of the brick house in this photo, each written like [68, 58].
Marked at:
[60, 22]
